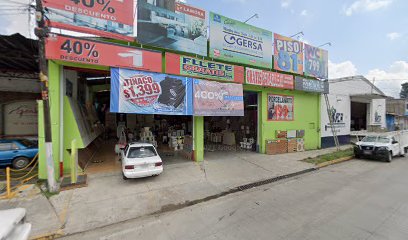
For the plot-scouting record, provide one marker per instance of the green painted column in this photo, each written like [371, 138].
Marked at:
[319, 118]
[262, 111]
[198, 122]
[54, 73]
[42, 161]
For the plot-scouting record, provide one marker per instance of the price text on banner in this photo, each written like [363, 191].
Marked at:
[78, 50]
[107, 18]
[316, 62]
[280, 107]
[194, 67]
[288, 54]
[268, 79]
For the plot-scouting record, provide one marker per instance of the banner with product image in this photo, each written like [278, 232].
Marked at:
[316, 62]
[288, 54]
[280, 107]
[235, 41]
[150, 93]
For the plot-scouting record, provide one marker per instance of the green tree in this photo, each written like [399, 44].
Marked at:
[404, 90]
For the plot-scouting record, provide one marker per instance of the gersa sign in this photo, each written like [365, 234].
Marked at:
[194, 67]
[288, 54]
[78, 50]
[107, 18]
[235, 41]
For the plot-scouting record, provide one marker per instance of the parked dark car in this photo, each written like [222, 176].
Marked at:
[17, 152]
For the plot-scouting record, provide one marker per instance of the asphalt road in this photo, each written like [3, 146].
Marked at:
[359, 199]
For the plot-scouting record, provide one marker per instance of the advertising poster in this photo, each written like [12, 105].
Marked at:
[311, 85]
[268, 79]
[280, 107]
[172, 25]
[378, 112]
[21, 118]
[235, 41]
[218, 99]
[106, 18]
[288, 54]
[70, 49]
[199, 68]
[150, 93]
[316, 62]
[339, 112]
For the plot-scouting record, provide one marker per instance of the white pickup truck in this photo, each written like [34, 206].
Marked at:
[382, 146]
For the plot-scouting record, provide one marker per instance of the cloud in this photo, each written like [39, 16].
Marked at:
[390, 80]
[285, 3]
[366, 6]
[343, 69]
[304, 12]
[393, 35]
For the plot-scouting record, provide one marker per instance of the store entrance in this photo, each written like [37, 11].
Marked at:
[358, 116]
[231, 133]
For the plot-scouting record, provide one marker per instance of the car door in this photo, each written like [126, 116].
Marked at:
[6, 153]
[395, 146]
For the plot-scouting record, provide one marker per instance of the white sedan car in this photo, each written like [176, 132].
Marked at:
[140, 160]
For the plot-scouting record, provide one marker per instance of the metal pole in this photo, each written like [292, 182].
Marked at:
[8, 182]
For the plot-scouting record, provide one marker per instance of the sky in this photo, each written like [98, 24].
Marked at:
[368, 37]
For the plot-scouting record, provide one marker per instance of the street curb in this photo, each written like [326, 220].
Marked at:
[335, 161]
[174, 207]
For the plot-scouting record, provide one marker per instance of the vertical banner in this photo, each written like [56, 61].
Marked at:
[268, 79]
[280, 107]
[150, 93]
[218, 99]
[288, 54]
[172, 25]
[107, 18]
[235, 41]
[194, 67]
[378, 112]
[316, 62]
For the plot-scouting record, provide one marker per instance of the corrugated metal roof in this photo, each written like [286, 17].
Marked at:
[18, 53]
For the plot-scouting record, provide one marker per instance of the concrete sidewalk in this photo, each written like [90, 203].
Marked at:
[108, 199]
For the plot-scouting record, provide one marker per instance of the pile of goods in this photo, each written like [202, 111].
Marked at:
[286, 142]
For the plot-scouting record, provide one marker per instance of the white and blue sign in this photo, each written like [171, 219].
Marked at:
[150, 93]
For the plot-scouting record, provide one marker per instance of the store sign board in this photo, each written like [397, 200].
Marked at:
[280, 107]
[339, 112]
[172, 25]
[21, 118]
[316, 62]
[150, 93]
[268, 79]
[218, 99]
[106, 18]
[288, 54]
[70, 49]
[310, 85]
[194, 67]
[235, 41]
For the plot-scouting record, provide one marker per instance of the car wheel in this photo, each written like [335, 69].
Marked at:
[357, 156]
[389, 157]
[124, 177]
[20, 162]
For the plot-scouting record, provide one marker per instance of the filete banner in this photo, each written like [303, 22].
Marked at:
[107, 18]
[280, 108]
[235, 41]
[194, 67]
[288, 54]
[150, 93]
[172, 25]
[316, 62]
[218, 99]
[268, 79]
[70, 49]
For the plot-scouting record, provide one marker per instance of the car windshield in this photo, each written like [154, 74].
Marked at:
[27, 143]
[383, 140]
[141, 152]
[369, 139]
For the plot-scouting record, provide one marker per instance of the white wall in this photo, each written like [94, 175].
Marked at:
[19, 82]
[340, 107]
[352, 87]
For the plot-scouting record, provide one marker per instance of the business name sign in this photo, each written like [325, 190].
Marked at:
[78, 50]
[107, 18]
[316, 62]
[172, 25]
[150, 93]
[310, 85]
[194, 67]
[280, 108]
[235, 41]
[268, 79]
[288, 54]
[218, 99]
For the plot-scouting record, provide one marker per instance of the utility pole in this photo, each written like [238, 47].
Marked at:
[41, 31]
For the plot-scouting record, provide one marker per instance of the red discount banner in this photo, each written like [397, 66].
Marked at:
[141, 90]
[107, 18]
[268, 79]
[78, 50]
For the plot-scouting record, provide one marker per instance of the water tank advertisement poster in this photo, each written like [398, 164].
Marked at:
[288, 54]
[172, 25]
[150, 93]
[218, 99]
[235, 41]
